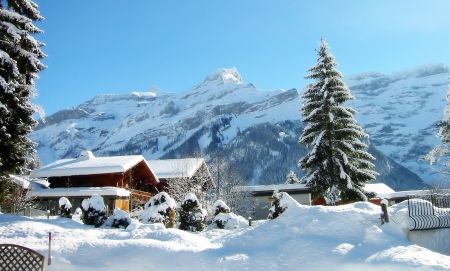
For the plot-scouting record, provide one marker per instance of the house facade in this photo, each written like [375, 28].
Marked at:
[130, 173]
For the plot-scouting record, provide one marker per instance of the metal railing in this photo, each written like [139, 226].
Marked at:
[429, 212]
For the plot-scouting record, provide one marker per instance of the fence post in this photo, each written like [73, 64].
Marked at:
[49, 248]
[384, 215]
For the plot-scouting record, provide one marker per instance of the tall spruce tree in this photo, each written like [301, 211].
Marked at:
[337, 165]
[441, 152]
[20, 56]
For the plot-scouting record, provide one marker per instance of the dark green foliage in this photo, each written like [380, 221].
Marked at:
[191, 215]
[94, 212]
[93, 217]
[337, 165]
[65, 212]
[19, 64]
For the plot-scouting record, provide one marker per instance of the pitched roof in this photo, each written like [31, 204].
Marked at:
[175, 168]
[87, 164]
[80, 192]
[378, 188]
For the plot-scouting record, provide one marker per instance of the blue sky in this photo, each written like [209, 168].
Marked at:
[113, 47]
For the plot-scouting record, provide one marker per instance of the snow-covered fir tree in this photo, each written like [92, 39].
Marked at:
[20, 64]
[337, 165]
[291, 178]
[191, 214]
[277, 208]
[441, 152]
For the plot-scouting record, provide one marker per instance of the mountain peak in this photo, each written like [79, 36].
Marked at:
[224, 76]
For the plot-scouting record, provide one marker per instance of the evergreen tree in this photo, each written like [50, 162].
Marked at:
[20, 56]
[192, 215]
[337, 165]
[441, 152]
[276, 207]
[291, 178]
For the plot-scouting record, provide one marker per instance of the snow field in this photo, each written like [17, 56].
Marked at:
[303, 237]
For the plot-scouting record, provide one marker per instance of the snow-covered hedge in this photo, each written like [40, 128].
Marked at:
[65, 207]
[192, 215]
[94, 211]
[118, 219]
[159, 209]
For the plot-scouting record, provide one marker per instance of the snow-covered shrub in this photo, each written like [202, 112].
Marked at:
[159, 209]
[94, 211]
[277, 206]
[118, 219]
[65, 207]
[192, 215]
[229, 221]
[224, 219]
[78, 211]
[220, 207]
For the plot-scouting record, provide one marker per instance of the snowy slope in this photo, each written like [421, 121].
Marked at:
[399, 111]
[302, 238]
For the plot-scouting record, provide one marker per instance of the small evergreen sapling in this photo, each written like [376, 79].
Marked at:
[291, 178]
[192, 216]
[65, 207]
[159, 209]
[94, 211]
[277, 207]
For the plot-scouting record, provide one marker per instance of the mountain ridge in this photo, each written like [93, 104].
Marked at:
[156, 123]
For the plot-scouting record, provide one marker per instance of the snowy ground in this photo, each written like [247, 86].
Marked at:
[312, 238]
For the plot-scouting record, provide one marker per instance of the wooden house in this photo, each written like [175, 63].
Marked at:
[125, 172]
[187, 171]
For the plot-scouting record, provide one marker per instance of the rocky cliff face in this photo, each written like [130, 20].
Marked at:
[223, 115]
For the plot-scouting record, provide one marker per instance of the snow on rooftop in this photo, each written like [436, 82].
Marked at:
[378, 188]
[175, 168]
[260, 188]
[81, 192]
[87, 164]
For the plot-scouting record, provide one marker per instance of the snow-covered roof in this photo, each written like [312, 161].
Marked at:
[281, 187]
[27, 183]
[80, 192]
[378, 188]
[87, 164]
[175, 168]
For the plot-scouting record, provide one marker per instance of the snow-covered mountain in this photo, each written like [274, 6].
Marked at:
[399, 111]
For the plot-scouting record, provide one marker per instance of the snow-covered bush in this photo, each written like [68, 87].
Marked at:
[229, 221]
[65, 207]
[220, 207]
[78, 211]
[159, 209]
[94, 211]
[118, 219]
[224, 219]
[192, 215]
[277, 206]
